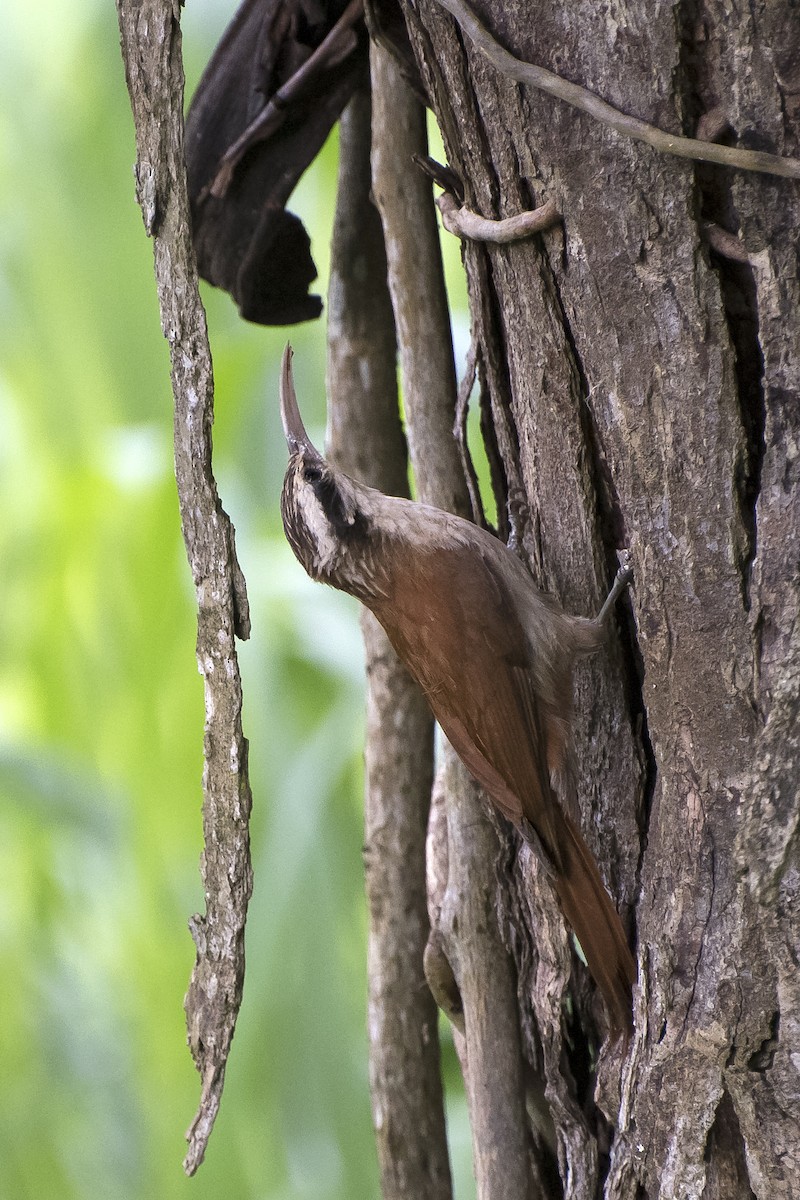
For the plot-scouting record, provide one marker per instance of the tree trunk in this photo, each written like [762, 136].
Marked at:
[639, 368]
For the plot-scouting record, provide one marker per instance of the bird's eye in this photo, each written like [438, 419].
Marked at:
[312, 473]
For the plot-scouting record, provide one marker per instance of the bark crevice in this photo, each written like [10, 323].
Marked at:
[762, 1059]
[702, 47]
[727, 1176]
[739, 298]
[740, 305]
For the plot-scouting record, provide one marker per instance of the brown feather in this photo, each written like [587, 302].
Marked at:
[587, 906]
[450, 619]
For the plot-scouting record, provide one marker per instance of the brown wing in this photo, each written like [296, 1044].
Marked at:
[452, 623]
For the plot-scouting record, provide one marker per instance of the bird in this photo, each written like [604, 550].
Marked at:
[491, 652]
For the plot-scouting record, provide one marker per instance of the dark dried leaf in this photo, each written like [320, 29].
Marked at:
[241, 174]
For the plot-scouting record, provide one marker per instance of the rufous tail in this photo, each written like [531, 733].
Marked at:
[587, 906]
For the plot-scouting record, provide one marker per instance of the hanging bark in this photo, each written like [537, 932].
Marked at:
[151, 48]
[642, 384]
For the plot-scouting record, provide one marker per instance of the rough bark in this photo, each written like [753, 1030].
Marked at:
[365, 438]
[150, 34]
[643, 391]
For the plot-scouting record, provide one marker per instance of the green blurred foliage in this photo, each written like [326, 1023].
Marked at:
[101, 706]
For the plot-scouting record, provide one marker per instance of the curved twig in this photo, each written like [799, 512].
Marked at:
[725, 243]
[632, 127]
[466, 224]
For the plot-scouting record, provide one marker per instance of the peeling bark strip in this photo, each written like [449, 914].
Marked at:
[151, 49]
[366, 440]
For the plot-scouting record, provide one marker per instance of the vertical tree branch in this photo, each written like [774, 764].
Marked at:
[151, 48]
[416, 283]
[366, 440]
[470, 933]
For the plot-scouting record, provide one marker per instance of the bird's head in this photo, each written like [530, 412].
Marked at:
[320, 506]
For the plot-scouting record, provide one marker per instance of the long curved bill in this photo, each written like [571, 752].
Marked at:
[293, 427]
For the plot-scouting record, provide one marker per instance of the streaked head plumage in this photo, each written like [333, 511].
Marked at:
[319, 505]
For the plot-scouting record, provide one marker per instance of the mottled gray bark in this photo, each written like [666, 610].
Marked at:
[150, 34]
[643, 390]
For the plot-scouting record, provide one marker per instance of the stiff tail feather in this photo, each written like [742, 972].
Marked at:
[587, 906]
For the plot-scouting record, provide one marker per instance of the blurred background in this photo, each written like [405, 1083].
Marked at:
[101, 705]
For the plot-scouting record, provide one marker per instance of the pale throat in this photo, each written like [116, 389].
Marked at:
[326, 546]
